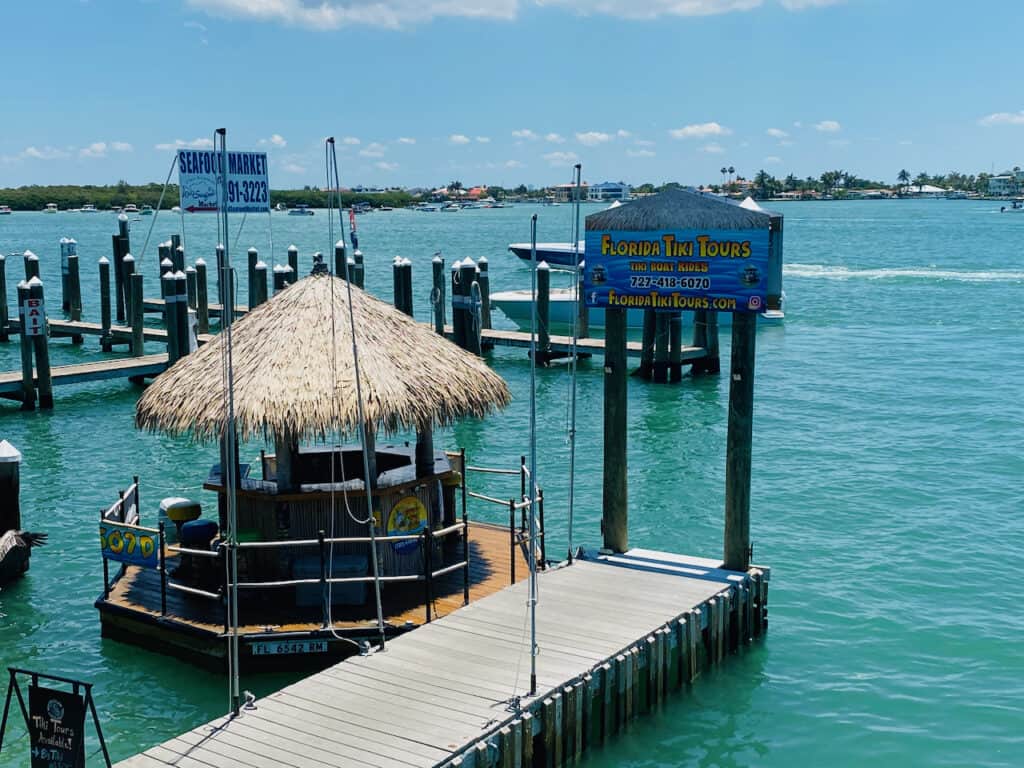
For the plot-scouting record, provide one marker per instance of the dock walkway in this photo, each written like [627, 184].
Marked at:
[146, 366]
[616, 634]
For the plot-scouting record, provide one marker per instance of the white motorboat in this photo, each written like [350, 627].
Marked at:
[89, 208]
[146, 210]
[515, 305]
[555, 254]
[300, 210]
[50, 208]
[130, 209]
[1017, 206]
[5, 210]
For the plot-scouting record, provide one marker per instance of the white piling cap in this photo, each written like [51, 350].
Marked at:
[30, 256]
[166, 263]
[190, 270]
[200, 260]
[9, 454]
[437, 259]
[357, 252]
[293, 247]
[287, 268]
[468, 262]
[397, 261]
[104, 260]
[481, 260]
[180, 248]
[72, 241]
[543, 265]
[456, 265]
[34, 282]
[128, 256]
[252, 249]
[179, 275]
[340, 244]
[122, 217]
[406, 263]
[261, 264]
[21, 284]
[278, 269]
[220, 246]
[349, 260]
[64, 241]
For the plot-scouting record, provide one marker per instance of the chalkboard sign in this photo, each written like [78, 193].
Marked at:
[56, 728]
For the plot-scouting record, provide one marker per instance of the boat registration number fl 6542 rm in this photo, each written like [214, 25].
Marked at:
[289, 647]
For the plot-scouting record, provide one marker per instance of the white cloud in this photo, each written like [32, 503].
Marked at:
[799, 5]
[798, 124]
[458, 138]
[558, 159]
[839, 142]
[179, 144]
[786, 143]
[1002, 118]
[276, 139]
[121, 146]
[699, 131]
[513, 164]
[906, 143]
[384, 166]
[483, 139]
[777, 133]
[96, 149]
[652, 9]
[406, 140]
[293, 168]
[713, 148]
[195, 25]
[373, 150]
[44, 153]
[622, 133]
[643, 143]
[828, 126]
[592, 138]
[773, 160]
[555, 138]
[639, 153]
[525, 133]
[351, 141]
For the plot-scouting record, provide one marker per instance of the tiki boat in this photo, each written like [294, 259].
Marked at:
[290, 559]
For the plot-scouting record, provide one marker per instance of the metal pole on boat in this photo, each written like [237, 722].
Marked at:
[533, 456]
[572, 352]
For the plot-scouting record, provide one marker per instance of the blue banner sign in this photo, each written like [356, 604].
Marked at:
[130, 544]
[199, 180]
[724, 270]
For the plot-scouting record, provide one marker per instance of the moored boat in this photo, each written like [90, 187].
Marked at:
[300, 210]
[50, 208]
[5, 210]
[146, 210]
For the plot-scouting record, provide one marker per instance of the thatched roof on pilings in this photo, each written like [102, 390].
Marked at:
[294, 373]
[677, 209]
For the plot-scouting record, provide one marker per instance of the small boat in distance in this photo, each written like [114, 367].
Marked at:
[5, 210]
[1016, 206]
[146, 210]
[89, 208]
[50, 208]
[280, 207]
[555, 254]
[130, 209]
[300, 210]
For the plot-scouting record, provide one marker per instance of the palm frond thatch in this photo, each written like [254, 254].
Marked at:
[294, 374]
[677, 209]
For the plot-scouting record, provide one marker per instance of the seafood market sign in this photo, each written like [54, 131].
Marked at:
[199, 174]
[724, 270]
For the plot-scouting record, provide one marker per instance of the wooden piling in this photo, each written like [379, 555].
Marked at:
[470, 320]
[705, 335]
[138, 315]
[293, 258]
[128, 268]
[68, 247]
[178, 257]
[182, 318]
[341, 261]
[773, 299]
[738, 442]
[398, 293]
[219, 251]
[105, 304]
[484, 278]
[582, 310]
[659, 372]
[4, 317]
[175, 243]
[437, 293]
[646, 369]
[202, 298]
[31, 265]
[675, 346]
[28, 389]
[407, 285]
[170, 316]
[121, 246]
[191, 287]
[458, 310]
[260, 282]
[614, 522]
[253, 257]
[163, 258]
[10, 487]
[40, 347]
[543, 313]
[74, 295]
[359, 273]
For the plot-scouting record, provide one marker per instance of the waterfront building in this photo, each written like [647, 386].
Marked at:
[609, 190]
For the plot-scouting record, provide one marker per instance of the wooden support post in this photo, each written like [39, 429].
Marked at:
[170, 316]
[548, 732]
[582, 310]
[398, 293]
[293, 258]
[773, 299]
[278, 278]
[359, 273]
[181, 308]
[738, 443]
[621, 669]
[74, 295]
[10, 483]
[407, 287]
[543, 313]
[458, 327]
[260, 283]
[424, 452]
[128, 268]
[608, 700]
[105, 308]
[138, 315]
[175, 243]
[178, 257]
[484, 278]
[163, 258]
[341, 262]
[286, 450]
[219, 251]
[202, 297]
[31, 265]
[614, 521]
[646, 369]
[675, 347]
[661, 332]
[28, 388]
[467, 276]
[705, 335]
[40, 347]
[527, 761]
[4, 317]
[68, 247]
[122, 247]
[569, 697]
[253, 257]
[559, 741]
[191, 288]
[437, 294]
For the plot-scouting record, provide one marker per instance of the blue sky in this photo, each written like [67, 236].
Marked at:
[419, 92]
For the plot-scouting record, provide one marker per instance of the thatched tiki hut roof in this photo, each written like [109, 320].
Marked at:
[294, 375]
[678, 209]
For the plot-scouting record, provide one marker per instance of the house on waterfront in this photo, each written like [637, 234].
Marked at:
[564, 193]
[1006, 184]
[609, 190]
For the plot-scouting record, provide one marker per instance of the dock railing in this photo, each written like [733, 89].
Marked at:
[518, 530]
[125, 541]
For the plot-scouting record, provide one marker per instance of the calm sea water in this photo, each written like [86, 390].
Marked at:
[888, 485]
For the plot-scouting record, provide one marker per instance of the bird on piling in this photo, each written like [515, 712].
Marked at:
[15, 550]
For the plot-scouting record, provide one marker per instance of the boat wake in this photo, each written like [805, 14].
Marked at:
[821, 271]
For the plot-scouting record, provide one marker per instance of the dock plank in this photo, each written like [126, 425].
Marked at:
[100, 370]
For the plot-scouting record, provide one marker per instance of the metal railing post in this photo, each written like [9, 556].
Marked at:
[427, 569]
[465, 536]
[543, 533]
[512, 538]
[163, 563]
[106, 569]
[324, 607]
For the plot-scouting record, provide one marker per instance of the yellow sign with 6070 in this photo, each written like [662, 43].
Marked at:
[130, 544]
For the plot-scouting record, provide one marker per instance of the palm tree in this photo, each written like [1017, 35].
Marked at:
[724, 170]
[921, 179]
[731, 172]
[903, 177]
[792, 182]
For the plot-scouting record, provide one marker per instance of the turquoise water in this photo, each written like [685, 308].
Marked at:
[888, 485]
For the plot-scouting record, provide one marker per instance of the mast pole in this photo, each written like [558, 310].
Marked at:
[572, 353]
[533, 456]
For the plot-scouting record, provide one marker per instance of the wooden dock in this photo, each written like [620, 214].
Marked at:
[146, 366]
[119, 333]
[616, 634]
[561, 346]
